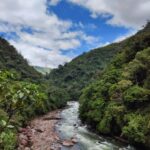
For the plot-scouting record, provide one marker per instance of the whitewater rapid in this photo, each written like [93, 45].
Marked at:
[70, 126]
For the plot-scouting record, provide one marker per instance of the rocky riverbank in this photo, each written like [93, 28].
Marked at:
[62, 130]
[40, 133]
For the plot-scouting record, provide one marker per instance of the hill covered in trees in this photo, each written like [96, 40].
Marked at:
[85, 69]
[118, 102]
[12, 60]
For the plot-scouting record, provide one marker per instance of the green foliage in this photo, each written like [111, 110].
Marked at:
[18, 96]
[136, 95]
[104, 125]
[58, 97]
[3, 115]
[118, 102]
[115, 91]
[81, 71]
[111, 121]
[10, 59]
[20, 101]
[136, 129]
[8, 140]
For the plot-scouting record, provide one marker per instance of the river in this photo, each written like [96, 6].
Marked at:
[70, 126]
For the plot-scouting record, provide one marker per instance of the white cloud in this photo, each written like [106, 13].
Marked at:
[40, 57]
[49, 31]
[129, 13]
[51, 35]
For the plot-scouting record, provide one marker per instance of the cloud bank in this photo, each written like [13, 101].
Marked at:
[128, 13]
[39, 34]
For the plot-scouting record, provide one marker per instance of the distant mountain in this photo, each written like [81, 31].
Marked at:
[43, 70]
[10, 59]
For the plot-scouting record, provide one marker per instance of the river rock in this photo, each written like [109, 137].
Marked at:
[56, 137]
[39, 130]
[29, 135]
[74, 140]
[55, 147]
[21, 147]
[23, 137]
[24, 142]
[59, 147]
[28, 127]
[22, 130]
[67, 143]
[27, 148]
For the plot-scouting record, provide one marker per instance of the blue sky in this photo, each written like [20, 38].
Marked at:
[96, 27]
[52, 32]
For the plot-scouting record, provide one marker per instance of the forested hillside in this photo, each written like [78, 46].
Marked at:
[118, 103]
[23, 95]
[11, 59]
[82, 70]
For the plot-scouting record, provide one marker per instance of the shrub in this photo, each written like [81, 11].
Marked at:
[136, 95]
[116, 90]
[136, 129]
[8, 140]
[20, 101]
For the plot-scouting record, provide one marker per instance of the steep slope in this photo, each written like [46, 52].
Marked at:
[118, 103]
[11, 59]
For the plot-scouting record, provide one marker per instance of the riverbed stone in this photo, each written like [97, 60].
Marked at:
[27, 148]
[74, 140]
[24, 142]
[67, 143]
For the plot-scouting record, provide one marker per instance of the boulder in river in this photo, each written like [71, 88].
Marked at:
[67, 143]
[74, 140]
